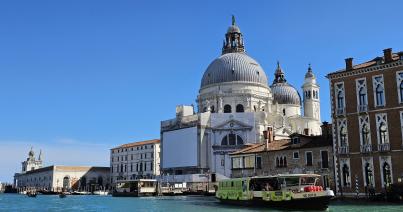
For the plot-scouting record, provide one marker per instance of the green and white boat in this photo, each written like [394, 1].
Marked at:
[295, 191]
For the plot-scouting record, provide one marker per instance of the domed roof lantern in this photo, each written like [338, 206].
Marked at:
[279, 75]
[233, 39]
[309, 73]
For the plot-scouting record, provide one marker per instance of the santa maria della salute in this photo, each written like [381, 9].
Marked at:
[236, 108]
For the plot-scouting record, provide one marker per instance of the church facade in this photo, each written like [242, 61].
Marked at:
[235, 107]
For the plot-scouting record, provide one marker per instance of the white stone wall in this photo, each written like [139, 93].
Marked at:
[131, 158]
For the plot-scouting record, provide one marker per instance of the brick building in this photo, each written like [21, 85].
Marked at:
[367, 114]
[299, 154]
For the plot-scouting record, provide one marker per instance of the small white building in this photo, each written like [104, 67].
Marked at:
[137, 160]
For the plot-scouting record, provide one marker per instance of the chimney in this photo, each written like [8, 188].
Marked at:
[349, 63]
[326, 129]
[270, 136]
[387, 54]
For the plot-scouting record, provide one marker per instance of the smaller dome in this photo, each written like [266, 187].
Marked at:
[309, 73]
[284, 93]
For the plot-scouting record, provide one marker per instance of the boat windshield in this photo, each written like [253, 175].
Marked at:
[308, 180]
[290, 181]
[264, 184]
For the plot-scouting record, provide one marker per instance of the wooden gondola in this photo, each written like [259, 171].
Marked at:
[31, 194]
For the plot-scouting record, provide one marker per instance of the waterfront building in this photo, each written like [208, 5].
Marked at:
[56, 178]
[137, 160]
[367, 114]
[300, 154]
[235, 105]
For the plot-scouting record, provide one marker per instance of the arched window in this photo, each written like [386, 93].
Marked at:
[212, 109]
[387, 178]
[100, 180]
[369, 177]
[379, 95]
[362, 96]
[364, 134]
[232, 140]
[382, 133]
[281, 162]
[401, 91]
[285, 161]
[277, 162]
[346, 175]
[343, 136]
[239, 108]
[227, 108]
[340, 100]
[66, 182]
[83, 182]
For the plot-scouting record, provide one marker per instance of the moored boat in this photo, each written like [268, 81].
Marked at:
[136, 188]
[295, 191]
[101, 193]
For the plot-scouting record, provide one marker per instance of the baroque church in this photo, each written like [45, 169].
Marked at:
[236, 106]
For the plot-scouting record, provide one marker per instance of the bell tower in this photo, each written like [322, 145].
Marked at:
[233, 39]
[311, 95]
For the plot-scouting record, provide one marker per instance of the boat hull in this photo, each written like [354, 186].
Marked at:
[131, 194]
[314, 203]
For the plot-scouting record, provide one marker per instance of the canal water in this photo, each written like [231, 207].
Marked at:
[17, 202]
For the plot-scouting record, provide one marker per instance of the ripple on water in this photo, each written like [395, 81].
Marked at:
[15, 202]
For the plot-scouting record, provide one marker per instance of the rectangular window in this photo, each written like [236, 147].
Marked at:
[258, 162]
[325, 159]
[379, 90]
[222, 162]
[236, 163]
[295, 155]
[151, 166]
[309, 159]
[296, 140]
[249, 161]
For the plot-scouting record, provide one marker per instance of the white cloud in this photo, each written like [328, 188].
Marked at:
[61, 152]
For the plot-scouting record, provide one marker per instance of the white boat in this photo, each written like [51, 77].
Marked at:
[101, 193]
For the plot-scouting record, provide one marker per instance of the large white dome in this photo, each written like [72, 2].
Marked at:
[234, 67]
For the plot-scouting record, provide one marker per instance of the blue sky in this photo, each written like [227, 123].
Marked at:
[79, 77]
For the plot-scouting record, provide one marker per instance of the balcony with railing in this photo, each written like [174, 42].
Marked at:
[385, 147]
[340, 111]
[366, 148]
[342, 150]
[362, 108]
